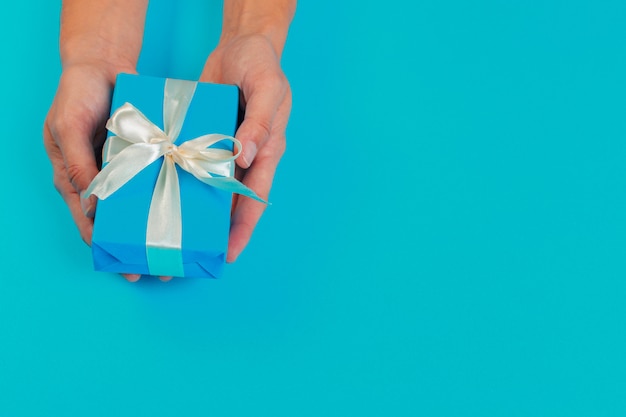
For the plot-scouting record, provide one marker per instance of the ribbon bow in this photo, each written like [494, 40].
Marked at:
[137, 143]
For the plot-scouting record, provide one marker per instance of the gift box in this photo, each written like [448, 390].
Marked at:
[128, 236]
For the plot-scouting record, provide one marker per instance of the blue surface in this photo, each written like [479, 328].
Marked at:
[462, 256]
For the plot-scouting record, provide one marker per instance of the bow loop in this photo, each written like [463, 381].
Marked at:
[128, 123]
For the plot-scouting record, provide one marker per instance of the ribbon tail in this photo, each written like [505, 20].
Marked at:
[226, 182]
[230, 184]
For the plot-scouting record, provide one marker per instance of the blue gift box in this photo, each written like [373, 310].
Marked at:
[119, 236]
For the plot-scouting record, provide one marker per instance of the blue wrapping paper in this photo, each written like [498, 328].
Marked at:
[119, 238]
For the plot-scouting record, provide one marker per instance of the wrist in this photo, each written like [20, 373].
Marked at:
[102, 34]
[86, 53]
[253, 18]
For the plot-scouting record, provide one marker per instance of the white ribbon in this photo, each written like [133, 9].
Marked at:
[138, 143]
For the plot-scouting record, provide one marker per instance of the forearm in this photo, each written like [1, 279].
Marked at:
[107, 33]
[270, 18]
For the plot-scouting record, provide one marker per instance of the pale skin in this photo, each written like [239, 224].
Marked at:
[101, 38]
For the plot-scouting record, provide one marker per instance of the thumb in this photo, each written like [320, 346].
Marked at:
[262, 103]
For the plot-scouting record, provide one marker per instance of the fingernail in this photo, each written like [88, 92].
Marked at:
[165, 279]
[232, 255]
[88, 205]
[249, 152]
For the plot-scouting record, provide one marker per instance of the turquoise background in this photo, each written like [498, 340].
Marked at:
[447, 234]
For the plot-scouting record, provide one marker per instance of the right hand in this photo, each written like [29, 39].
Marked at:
[74, 132]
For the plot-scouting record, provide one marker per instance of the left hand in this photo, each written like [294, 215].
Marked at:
[252, 63]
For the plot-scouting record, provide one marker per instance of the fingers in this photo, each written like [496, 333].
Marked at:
[69, 137]
[75, 173]
[81, 212]
[84, 223]
[132, 277]
[74, 139]
[251, 63]
[73, 127]
[65, 188]
[263, 96]
[247, 211]
[73, 136]
[259, 177]
[137, 277]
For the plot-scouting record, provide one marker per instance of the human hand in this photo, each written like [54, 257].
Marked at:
[252, 63]
[98, 40]
[74, 131]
